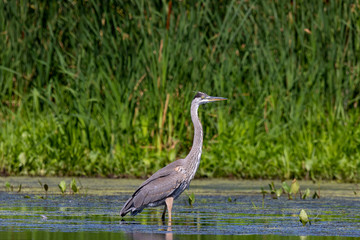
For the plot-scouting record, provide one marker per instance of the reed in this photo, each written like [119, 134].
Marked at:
[103, 88]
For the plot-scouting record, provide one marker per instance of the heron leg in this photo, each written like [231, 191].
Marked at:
[164, 212]
[169, 202]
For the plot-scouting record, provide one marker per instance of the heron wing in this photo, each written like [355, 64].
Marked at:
[163, 172]
[160, 185]
[156, 188]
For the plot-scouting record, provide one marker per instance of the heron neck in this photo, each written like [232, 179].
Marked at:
[193, 158]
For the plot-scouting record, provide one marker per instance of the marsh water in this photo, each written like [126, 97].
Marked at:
[223, 209]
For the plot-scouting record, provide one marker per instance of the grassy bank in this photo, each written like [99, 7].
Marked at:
[104, 89]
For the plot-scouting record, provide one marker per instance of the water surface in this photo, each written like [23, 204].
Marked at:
[223, 209]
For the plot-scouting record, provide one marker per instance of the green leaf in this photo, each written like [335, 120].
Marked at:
[304, 219]
[73, 186]
[294, 189]
[254, 206]
[315, 195]
[306, 194]
[62, 186]
[273, 191]
[272, 188]
[191, 199]
[7, 186]
[286, 187]
[263, 192]
[46, 187]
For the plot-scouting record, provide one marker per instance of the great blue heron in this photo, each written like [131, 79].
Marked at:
[169, 182]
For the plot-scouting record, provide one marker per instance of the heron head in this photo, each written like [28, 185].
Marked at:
[202, 98]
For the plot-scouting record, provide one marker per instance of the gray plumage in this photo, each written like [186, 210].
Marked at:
[169, 182]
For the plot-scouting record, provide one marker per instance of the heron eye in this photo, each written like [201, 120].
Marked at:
[202, 97]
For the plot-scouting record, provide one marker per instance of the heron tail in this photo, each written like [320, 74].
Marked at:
[129, 206]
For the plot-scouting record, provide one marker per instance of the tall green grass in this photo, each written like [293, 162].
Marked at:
[104, 88]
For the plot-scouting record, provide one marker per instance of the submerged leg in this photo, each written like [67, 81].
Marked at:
[169, 202]
[163, 215]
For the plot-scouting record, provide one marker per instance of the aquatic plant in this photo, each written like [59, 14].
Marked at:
[286, 188]
[10, 188]
[44, 186]
[74, 187]
[62, 186]
[292, 190]
[306, 194]
[316, 195]
[256, 207]
[275, 193]
[263, 192]
[191, 199]
[304, 219]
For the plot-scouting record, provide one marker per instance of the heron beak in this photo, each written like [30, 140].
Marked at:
[214, 99]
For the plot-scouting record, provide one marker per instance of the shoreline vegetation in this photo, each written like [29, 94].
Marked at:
[104, 89]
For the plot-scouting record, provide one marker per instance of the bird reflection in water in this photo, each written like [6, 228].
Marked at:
[168, 235]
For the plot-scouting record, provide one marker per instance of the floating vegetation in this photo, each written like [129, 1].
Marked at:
[10, 188]
[44, 186]
[306, 194]
[294, 188]
[275, 193]
[74, 187]
[263, 192]
[191, 199]
[315, 195]
[62, 187]
[338, 215]
[291, 191]
[304, 219]
[256, 207]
